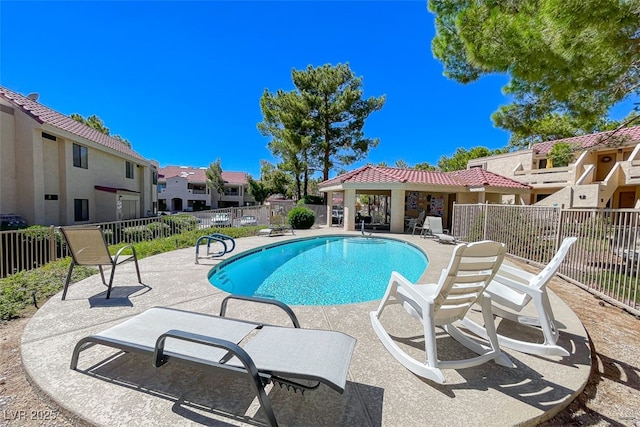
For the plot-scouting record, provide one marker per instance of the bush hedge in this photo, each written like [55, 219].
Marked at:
[301, 218]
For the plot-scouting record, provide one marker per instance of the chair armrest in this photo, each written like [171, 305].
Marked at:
[518, 272]
[521, 287]
[281, 305]
[410, 290]
[159, 358]
[117, 255]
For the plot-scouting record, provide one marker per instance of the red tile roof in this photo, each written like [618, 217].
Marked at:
[477, 176]
[51, 117]
[587, 141]
[467, 178]
[199, 175]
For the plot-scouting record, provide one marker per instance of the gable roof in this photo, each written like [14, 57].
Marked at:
[476, 177]
[468, 178]
[199, 174]
[588, 141]
[45, 115]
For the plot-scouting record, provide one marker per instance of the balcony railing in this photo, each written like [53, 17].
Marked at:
[560, 175]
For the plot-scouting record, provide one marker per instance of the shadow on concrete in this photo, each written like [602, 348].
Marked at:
[120, 296]
[224, 397]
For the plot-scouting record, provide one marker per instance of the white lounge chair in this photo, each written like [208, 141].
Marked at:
[470, 270]
[513, 289]
[265, 353]
[432, 227]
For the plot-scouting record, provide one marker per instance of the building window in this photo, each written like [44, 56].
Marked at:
[542, 164]
[129, 170]
[154, 177]
[51, 197]
[81, 209]
[80, 156]
[231, 191]
[49, 136]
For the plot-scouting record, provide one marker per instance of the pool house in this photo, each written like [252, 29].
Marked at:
[386, 198]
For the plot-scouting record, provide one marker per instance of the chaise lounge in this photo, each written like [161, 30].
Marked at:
[272, 353]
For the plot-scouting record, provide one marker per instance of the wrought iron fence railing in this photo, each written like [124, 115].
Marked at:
[31, 248]
[605, 260]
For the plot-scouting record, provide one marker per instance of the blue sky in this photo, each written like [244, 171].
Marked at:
[182, 80]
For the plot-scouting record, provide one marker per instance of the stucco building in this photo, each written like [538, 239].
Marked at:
[404, 193]
[604, 172]
[57, 171]
[184, 188]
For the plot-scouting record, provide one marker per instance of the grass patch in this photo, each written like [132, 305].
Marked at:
[26, 288]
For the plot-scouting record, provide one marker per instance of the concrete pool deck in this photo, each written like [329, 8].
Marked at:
[113, 388]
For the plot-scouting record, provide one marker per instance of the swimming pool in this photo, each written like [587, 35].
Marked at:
[320, 271]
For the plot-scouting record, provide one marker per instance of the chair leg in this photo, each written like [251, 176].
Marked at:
[102, 275]
[66, 283]
[135, 260]
[492, 334]
[113, 271]
[547, 321]
[548, 348]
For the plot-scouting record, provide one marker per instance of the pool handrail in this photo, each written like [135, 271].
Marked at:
[215, 237]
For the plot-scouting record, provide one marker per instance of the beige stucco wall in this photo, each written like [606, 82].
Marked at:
[52, 152]
[33, 166]
[26, 175]
[504, 164]
[8, 187]
[467, 198]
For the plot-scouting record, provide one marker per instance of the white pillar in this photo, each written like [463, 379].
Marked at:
[482, 197]
[329, 208]
[349, 209]
[397, 211]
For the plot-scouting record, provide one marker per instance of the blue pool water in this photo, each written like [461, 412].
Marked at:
[321, 270]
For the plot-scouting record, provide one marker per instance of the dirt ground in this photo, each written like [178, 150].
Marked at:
[611, 398]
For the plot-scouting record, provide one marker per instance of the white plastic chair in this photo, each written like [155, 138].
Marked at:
[433, 226]
[470, 270]
[513, 289]
[416, 222]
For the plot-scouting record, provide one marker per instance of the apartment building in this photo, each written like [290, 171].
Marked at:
[184, 188]
[604, 173]
[57, 171]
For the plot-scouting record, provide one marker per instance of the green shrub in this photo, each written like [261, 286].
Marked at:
[136, 234]
[561, 154]
[159, 229]
[180, 223]
[19, 290]
[311, 200]
[301, 218]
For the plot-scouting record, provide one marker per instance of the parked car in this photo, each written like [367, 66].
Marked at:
[247, 220]
[12, 222]
[222, 219]
[337, 216]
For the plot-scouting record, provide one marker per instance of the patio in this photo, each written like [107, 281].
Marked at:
[128, 390]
